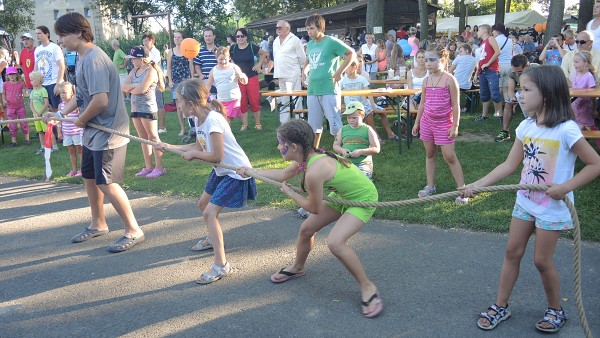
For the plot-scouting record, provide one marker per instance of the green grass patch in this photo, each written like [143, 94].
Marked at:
[397, 177]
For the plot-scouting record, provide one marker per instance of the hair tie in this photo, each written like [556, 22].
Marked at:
[209, 98]
[182, 90]
[301, 168]
[321, 151]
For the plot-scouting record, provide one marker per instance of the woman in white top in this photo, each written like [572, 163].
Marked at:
[416, 76]
[506, 53]
[370, 61]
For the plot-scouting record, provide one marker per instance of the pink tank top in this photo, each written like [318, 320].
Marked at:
[438, 105]
[415, 47]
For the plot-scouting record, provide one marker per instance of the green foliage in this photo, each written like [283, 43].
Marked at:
[256, 10]
[195, 15]
[162, 39]
[17, 17]
[482, 7]
[124, 9]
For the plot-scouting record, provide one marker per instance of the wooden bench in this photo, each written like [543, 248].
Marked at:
[591, 134]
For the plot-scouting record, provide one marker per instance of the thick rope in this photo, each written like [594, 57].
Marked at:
[414, 201]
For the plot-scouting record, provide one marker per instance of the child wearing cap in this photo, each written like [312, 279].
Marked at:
[12, 98]
[357, 141]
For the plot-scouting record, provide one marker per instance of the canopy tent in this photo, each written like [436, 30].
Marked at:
[522, 19]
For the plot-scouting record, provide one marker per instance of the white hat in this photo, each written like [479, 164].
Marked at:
[27, 35]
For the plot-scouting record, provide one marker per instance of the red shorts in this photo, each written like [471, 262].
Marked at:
[251, 94]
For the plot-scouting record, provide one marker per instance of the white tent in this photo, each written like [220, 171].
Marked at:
[522, 19]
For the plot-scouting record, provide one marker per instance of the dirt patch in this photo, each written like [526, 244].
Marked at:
[474, 137]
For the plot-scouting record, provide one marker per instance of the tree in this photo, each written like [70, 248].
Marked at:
[375, 15]
[17, 17]
[555, 19]
[585, 14]
[500, 4]
[125, 9]
[195, 15]
[424, 19]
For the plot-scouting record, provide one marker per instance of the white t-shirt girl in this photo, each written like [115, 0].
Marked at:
[233, 154]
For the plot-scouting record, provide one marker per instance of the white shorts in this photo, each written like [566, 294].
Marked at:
[71, 140]
[329, 106]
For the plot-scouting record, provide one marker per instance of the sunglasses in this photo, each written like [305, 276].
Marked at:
[278, 27]
[581, 42]
[431, 59]
[240, 36]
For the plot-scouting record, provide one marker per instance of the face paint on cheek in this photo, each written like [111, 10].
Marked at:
[285, 146]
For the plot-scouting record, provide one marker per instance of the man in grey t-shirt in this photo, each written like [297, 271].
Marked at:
[100, 101]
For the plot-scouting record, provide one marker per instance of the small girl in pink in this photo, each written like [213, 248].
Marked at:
[225, 76]
[583, 78]
[437, 120]
[72, 135]
[14, 92]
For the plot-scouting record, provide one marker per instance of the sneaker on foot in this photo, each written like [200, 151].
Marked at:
[481, 118]
[163, 130]
[71, 173]
[55, 149]
[78, 173]
[27, 142]
[502, 136]
[181, 133]
[303, 213]
[12, 145]
[39, 151]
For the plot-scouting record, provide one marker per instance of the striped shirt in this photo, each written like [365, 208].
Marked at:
[206, 60]
[69, 128]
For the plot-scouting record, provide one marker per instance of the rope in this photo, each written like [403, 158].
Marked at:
[414, 201]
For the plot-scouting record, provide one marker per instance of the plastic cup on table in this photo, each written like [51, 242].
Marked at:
[289, 86]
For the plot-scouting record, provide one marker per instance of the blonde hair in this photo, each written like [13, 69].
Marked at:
[197, 93]
[587, 58]
[223, 50]
[66, 84]
[36, 76]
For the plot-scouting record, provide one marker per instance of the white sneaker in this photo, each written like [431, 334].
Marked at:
[303, 213]
[161, 131]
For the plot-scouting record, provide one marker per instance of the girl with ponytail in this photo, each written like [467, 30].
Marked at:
[320, 170]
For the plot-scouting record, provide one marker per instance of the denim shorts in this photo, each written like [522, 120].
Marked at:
[522, 214]
[489, 86]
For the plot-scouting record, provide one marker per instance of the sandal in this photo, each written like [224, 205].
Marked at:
[143, 172]
[244, 127]
[87, 234]
[286, 276]
[258, 127]
[201, 247]
[500, 313]
[125, 243]
[214, 274]
[427, 191]
[156, 173]
[557, 321]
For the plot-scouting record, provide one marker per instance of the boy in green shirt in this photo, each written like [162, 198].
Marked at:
[39, 103]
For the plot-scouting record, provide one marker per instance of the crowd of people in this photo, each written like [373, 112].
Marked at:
[222, 83]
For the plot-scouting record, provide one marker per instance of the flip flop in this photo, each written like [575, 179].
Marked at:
[288, 276]
[125, 243]
[377, 310]
[87, 234]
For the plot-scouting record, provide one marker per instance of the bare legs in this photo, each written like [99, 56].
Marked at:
[346, 226]
[146, 129]
[431, 151]
[210, 214]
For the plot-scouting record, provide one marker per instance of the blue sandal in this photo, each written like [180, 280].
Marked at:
[501, 313]
[557, 321]
[427, 191]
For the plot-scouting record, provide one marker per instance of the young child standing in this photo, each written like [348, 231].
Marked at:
[38, 103]
[72, 135]
[437, 120]
[584, 107]
[324, 169]
[225, 76]
[12, 96]
[547, 143]
[357, 141]
[225, 188]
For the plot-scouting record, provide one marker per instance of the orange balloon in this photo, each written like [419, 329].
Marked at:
[538, 27]
[544, 25]
[189, 48]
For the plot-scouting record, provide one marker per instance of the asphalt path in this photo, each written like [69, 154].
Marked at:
[433, 282]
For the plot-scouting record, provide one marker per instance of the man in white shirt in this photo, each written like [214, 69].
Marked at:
[585, 41]
[594, 25]
[289, 58]
[49, 60]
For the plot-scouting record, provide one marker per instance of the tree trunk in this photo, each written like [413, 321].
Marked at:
[555, 19]
[424, 19]
[375, 15]
[585, 14]
[508, 3]
[500, 4]
[461, 17]
[457, 5]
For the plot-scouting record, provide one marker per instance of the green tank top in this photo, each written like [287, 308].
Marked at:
[356, 138]
[349, 183]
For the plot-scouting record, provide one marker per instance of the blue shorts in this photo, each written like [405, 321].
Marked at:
[105, 166]
[489, 86]
[229, 192]
[522, 214]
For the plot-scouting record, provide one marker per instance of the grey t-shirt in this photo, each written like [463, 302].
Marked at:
[95, 74]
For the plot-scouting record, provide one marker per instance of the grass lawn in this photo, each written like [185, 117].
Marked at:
[397, 177]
